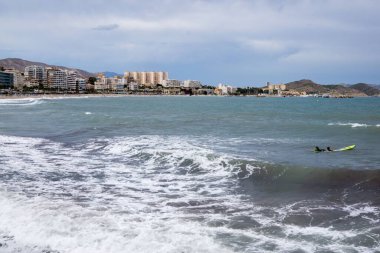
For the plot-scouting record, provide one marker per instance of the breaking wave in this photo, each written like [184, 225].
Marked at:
[21, 102]
[172, 194]
[353, 125]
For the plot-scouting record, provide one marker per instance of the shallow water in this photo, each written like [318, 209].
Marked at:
[189, 174]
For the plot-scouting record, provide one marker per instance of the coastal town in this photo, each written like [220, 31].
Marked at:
[39, 79]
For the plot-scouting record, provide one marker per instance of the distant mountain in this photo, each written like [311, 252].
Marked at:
[307, 86]
[111, 74]
[367, 89]
[311, 87]
[20, 65]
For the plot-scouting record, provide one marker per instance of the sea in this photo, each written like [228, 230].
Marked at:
[186, 174]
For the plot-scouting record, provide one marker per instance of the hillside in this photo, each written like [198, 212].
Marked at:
[367, 89]
[311, 87]
[20, 65]
[307, 86]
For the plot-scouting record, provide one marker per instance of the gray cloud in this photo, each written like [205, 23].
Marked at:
[106, 27]
[238, 41]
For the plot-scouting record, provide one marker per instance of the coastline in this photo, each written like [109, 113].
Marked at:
[63, 96]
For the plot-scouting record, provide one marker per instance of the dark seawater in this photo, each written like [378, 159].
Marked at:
[189, 174]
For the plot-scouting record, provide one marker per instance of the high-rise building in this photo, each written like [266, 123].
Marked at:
[56, 78]
[142, 79]
[146, 78]
[71, 80]
[18, 78]
[134, 76]
[6, 80]
[101, 83]
[150, 79]
[34, 75]
[81, 83]
[158, 77]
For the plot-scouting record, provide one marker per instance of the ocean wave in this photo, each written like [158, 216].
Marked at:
[323, 178]
[353, 125]
[165, 194]
[21, 102]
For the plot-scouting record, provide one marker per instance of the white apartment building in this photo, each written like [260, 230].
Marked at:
[192, 84]
[101, 83]
[133, 86]
[116, 83]
[226, 89]
[56, 78]
[71, 80]
[81, 83]
[172, 83]
[34, 75]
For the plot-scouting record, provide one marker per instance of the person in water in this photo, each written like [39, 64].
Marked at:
[317, 149]
[329, 149]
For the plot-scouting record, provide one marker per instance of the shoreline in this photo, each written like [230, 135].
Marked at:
[62, 96]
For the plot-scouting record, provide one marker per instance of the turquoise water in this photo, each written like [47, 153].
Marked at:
[281, 130]
[189, 174]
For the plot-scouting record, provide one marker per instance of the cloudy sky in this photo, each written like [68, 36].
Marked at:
[238, 42]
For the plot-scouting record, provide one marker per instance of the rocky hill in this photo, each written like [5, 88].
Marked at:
[307, 86]
[20, 65]
[367, 89]
[311, 87]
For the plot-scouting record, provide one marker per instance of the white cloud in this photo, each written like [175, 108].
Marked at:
[266, 46]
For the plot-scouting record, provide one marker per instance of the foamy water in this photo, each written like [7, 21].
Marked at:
[156, 194]
[353, 125]
[21, 102]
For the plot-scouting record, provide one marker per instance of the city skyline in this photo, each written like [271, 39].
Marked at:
[237, 42]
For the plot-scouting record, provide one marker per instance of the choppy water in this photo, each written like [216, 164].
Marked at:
[189, 174]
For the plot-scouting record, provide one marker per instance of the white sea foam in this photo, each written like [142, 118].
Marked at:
[353, 125]
[135, 194]
[21, 102]
[88, 113]
[355, 210]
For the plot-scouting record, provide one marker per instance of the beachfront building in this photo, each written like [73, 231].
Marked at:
[159, 77]
[172, 87]
[148, 79]
[133, 86]
[56, 78]
[223, 89]
[34, 75]
[101, 83]
[6, 80]
[18, 78]
[116, 83]
[274, 89]
[172, 83]
[71, 80]
[142, 78]
[192, 84]
[80, 83]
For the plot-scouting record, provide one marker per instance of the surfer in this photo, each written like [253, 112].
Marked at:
[329, 149]
[317, 149]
